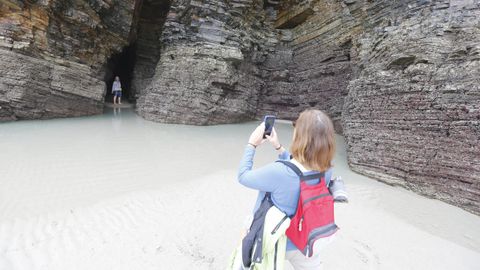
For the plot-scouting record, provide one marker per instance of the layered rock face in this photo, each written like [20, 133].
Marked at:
[207, 72]
[399, 78]
[312, 67]
[412, 115]
[152, 16]
[51, 54]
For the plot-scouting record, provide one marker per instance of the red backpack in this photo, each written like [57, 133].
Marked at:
[314, 217]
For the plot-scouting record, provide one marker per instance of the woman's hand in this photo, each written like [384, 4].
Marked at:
[256, 138]
[273, 139]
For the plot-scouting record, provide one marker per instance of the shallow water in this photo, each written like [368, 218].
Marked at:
[100, 192]
[64, 163]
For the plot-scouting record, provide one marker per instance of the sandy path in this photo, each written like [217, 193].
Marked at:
[79, 216]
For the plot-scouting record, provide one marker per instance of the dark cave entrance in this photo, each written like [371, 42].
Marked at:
[121, 65]
[136, 64]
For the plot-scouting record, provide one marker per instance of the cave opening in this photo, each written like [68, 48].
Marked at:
[121, 64]
[136, 63]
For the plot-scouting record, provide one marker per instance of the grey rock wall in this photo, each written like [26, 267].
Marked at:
[151, 18]
[412, 115]
[312, 67]
[400, 79]
[208, 73]
[32, 88]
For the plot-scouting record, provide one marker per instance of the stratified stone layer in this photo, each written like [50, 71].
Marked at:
[399, 78]
[412, 115]
[147, 45]
[32, 88]
[52, 53]
[207, 72]
[312, 67]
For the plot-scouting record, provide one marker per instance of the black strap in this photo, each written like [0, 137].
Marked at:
[313, 176]
[292, 166]
[299, 172]
[275, 257]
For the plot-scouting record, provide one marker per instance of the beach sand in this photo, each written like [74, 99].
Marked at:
[117, 192]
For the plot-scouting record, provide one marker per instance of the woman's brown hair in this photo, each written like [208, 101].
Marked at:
[314, 140]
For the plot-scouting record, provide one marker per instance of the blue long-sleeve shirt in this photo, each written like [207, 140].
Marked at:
[281, 181]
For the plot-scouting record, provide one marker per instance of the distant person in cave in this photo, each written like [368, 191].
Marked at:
[117, 91]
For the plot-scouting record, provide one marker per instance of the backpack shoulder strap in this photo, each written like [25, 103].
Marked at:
[300, 173]
[292, 166]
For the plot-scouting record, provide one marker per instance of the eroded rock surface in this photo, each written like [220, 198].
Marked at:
[152, 16]
[412, 115]
[312, 67]
[207, 73]
[399, 78]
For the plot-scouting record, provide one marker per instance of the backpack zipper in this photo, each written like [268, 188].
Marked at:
[315, 198]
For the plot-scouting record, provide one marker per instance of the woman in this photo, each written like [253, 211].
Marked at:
[117, 91]
[312, 151]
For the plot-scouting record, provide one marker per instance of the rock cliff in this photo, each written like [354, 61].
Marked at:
[311, 68]
[208, 73]
[412, 114]
[399, 78]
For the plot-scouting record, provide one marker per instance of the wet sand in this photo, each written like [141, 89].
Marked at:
[117, 192]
